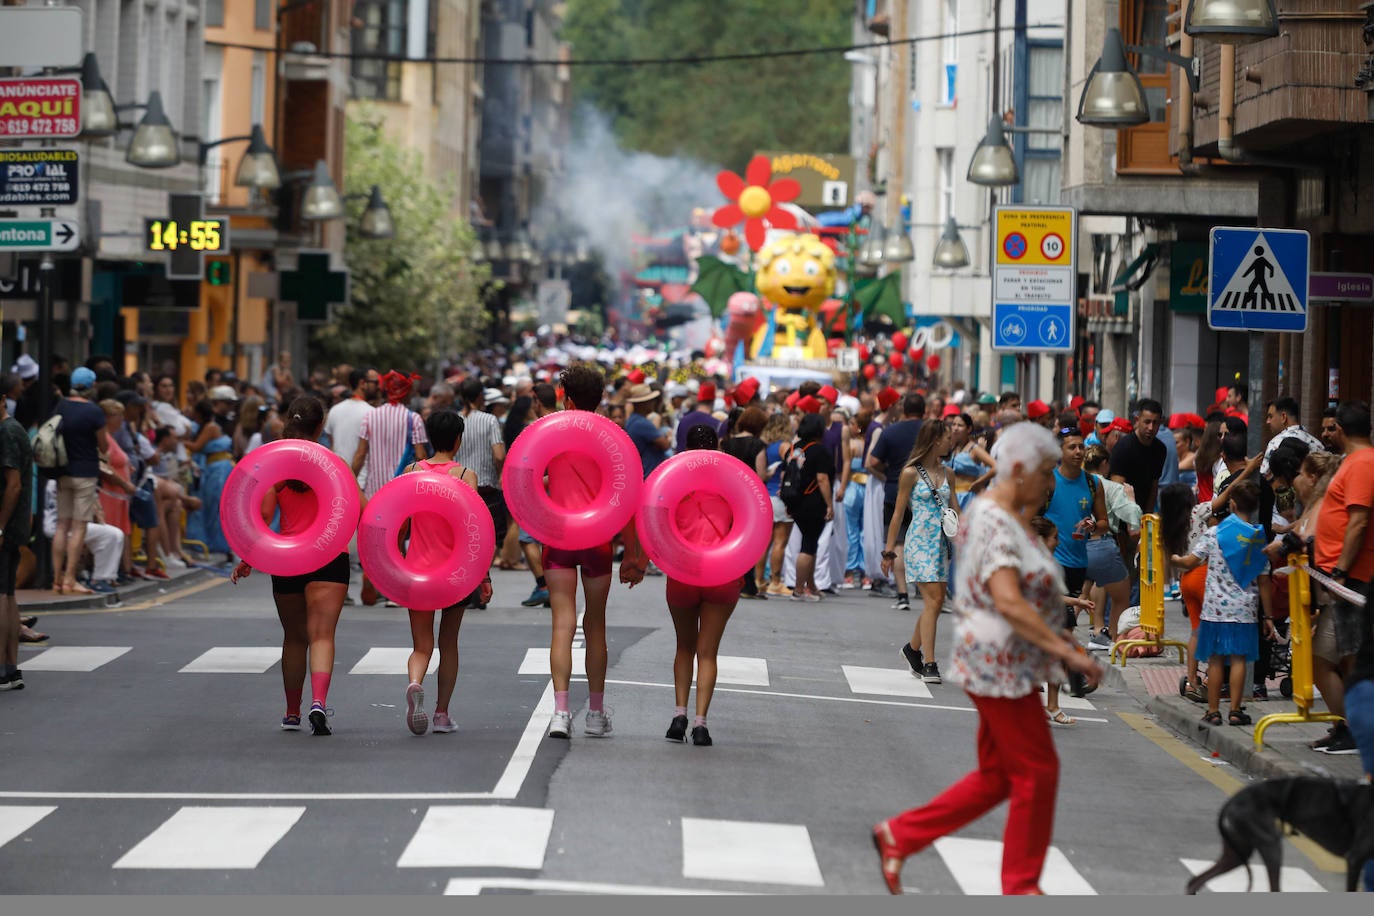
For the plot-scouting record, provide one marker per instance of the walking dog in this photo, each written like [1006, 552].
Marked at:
[1336, 815]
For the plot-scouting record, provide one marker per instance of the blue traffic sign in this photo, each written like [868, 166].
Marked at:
[1023, 326]
[1257, 279]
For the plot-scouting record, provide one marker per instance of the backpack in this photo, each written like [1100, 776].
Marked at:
[790, 489]
[49, 448]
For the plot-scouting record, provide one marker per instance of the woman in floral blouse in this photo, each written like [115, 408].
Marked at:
[1007, 642]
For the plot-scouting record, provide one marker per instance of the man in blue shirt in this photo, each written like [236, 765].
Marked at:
[652, 442]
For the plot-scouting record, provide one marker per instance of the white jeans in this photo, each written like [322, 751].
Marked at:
[106, 543]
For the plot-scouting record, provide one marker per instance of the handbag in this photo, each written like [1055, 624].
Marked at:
[142, 508]
[949, 519]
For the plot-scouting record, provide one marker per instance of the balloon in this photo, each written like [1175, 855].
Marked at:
[863, 352]
[933, 363]
[870, 370]
[896, 360]
[900, 340]
[917, 354]
[879, 360]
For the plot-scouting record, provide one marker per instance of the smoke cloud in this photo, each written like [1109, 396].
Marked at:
[608, 194]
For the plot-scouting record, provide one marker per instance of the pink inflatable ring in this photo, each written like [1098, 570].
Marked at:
[442, 498]
[596, 478]
[704, 517]
[336, 495]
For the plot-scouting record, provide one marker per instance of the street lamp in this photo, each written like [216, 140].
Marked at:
[1231, 21]
[154, 144]
[950, 253]
[376, 222]
[322, 200]
[871, 249]
[993, 164]
[98, 115]
[1113, 97]
[898, 249]
[258, 168]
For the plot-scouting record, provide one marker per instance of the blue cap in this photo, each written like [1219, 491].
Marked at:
[83, 378]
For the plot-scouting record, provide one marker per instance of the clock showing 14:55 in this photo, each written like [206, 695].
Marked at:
[206, 235]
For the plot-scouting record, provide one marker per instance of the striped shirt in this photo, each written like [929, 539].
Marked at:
[385, 432]
[481, 431]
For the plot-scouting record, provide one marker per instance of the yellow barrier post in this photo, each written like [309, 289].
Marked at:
[1300, 645]
[1151, 597]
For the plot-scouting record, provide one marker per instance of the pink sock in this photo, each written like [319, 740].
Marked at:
[293, 702]
[319, 687]
[560, 701]
[598, 702]
[699, 721]
[679, 711]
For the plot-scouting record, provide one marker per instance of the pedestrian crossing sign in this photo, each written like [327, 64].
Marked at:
[1257, 279]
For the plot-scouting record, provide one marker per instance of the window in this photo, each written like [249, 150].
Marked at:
[214, 13]
[949, 53]
[211, 77]
[1145, 149]
[383, 32]
[1039, 93]
[945, 158]
[258, 99]
[262, 15]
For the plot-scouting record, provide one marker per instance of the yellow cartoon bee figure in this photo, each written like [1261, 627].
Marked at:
[796, 274]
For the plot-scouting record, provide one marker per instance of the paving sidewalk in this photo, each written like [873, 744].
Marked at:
[1154, 683]
[36, 601]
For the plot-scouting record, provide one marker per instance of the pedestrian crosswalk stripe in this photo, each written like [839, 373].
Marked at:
[388, 660]
[1291, 878]
[1069, 701]
[479, 836]
[977, 866]
[234, 660]
[760, 853]
[17, 819]
[536, 662]
[74, 658]
[471, 887]
[213, 838]
[890, 682]
[738, 669]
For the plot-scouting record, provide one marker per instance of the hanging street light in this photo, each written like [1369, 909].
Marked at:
[154, 144]
[258, 168]
[993, 164]
[376, 222]
[322, 200]
[951, 253]
[871, 251]
[1231, 21]
[898, 248]
[1113, 96]
[98, 115]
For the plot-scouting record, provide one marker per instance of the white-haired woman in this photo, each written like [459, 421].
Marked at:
[1008, 641]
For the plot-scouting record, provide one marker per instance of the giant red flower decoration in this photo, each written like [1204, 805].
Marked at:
[756, 201]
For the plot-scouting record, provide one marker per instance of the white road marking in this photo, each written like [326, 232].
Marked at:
[471, 887]
[536, 662]
[390, 660]
[1291, 879]
[17, 819]
[493, 836]
[518, 767]
[759, 853]
[738, 669]
[1068, 701]
[977, 866]
[235, 660]
[890, 682]
[213, 838]
[74, 658]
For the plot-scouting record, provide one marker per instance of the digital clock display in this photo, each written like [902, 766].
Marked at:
[207, 235]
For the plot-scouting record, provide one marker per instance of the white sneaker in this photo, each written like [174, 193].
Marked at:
[560, 725]
[1098, 643]
[599, 723]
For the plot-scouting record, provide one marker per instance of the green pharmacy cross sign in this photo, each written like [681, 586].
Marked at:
[314, 287]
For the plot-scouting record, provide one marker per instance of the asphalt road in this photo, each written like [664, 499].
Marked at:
[147, 767]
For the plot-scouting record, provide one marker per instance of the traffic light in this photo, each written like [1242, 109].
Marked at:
[217, 273]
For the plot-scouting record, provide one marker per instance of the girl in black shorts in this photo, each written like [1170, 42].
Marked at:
[308, 605]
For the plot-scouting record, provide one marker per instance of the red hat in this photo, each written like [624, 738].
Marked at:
[1076, 401]
[745, 390]
[809, 404]
[707, 392]
[635, 377]
[1238, 414]
[1221, 395]
[829, 393]
[887, 397]
[1037, 409]
[791, 401]
[951, 410]
[1184, 420]
[1121, 424]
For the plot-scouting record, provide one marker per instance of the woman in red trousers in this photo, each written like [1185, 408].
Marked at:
[1007, 642]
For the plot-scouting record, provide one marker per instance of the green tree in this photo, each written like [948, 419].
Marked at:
[416, 299]
[719, 113]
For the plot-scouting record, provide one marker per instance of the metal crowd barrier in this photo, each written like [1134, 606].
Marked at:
[1152, 574]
